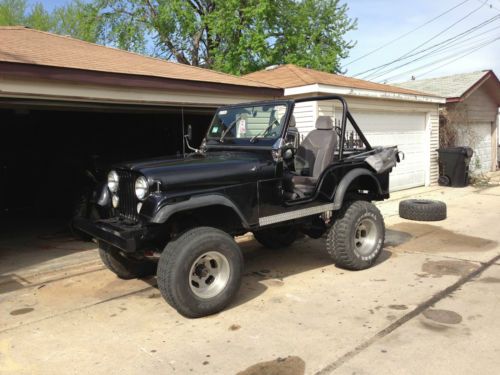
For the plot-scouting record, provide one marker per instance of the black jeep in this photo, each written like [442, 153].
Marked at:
[178, 216]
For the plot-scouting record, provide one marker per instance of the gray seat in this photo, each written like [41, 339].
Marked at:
[314, 154]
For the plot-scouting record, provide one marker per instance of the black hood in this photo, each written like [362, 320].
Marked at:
[209, 169]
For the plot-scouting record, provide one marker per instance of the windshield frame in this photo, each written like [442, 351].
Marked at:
[260, 142]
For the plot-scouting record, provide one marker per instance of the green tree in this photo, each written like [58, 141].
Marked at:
[12, 12]
[234, 36]
[78, 19]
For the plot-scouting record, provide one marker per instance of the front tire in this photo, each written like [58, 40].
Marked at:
[356, 238]
[199, 272]
[125, 267]
[276, 238]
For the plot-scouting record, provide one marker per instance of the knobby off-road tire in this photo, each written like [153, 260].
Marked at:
[276, 238]
[422, 210]
[356, 238]
[199, 272]
[125, 267]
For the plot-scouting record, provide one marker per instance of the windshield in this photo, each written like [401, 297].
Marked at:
[258, 121]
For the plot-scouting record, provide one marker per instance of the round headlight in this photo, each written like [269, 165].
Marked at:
[141, 187]
[113, 181]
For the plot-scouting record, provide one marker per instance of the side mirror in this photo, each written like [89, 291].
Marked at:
[288, 154]
[189, 134]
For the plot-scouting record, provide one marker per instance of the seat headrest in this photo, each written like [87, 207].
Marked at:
[292, 122]
[324, 123]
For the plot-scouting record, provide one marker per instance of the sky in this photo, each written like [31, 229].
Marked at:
[381, 21]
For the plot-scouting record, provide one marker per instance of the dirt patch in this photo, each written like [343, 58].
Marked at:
[489, 280]
[22, 311]
[234, 327]
[273, 282]
[281, 366]
[433, 326]
[398, 307]
[394, 238]
[448, 268]
[443, 316]
[433, 239]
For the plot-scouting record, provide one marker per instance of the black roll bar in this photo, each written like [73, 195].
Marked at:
[346, 115]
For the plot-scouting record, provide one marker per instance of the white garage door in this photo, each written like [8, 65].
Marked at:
[407, 131]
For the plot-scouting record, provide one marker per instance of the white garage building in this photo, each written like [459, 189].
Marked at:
[387, 115]
[471, 110]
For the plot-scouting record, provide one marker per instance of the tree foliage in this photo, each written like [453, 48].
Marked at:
[233, 36]
[78, 18]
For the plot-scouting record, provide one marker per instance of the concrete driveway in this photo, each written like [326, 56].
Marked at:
[430, 305]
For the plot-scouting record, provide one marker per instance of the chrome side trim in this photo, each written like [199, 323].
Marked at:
[267, 220]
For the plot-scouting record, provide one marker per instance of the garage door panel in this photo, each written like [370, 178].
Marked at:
[405, 130]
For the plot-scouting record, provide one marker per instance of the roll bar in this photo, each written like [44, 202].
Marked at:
[346, 115]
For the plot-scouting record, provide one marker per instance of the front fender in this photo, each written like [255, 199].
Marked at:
[166, 210]
[347, 180]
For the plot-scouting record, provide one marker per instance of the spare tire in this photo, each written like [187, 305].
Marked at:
[422, 210]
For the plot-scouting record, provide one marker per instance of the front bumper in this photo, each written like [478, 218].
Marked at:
[127, 237]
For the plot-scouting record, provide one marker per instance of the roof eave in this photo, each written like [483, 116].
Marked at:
[33, 71]
[375, 94]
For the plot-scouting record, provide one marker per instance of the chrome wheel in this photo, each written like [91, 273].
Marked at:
[365, 237]
[209, 274]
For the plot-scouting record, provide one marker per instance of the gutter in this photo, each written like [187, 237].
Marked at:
[350, 91]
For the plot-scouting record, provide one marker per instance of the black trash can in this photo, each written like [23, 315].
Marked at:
[454, 166]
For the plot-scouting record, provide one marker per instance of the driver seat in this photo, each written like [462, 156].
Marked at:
[314, 154]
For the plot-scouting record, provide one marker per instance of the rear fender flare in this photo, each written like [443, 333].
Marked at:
[165, 212]
[346, 182]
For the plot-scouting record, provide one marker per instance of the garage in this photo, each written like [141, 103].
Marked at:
[407, 130]
[387, 115]
[479, 137]
[50, 145]
[470, 113]
[69, 108]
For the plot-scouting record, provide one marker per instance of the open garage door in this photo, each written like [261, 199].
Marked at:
[46, 148]
[407, 131]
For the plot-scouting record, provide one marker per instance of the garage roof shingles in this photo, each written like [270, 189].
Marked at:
[453, 86]
[28, 46]
[289, 75]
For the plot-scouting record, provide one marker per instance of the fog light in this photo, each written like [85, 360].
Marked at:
[115, 200]
[139, 206]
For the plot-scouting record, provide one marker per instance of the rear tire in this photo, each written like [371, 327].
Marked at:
[199, 272]
[124, 267]
[356, 238]
[276, 238]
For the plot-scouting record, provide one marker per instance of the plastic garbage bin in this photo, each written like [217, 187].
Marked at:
[454, 166]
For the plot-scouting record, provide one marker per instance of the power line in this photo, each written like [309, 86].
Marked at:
[463, 52]
[377, 69]
[405, 34]
[442, 46]
[458, 58]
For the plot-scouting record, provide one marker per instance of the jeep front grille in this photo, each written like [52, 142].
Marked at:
[127, 205]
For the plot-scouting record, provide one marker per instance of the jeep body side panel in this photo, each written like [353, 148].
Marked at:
[241, 198]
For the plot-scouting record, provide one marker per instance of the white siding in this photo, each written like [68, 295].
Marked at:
[477, 136]
[433, 146]
[474, 122]
[305, 117]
